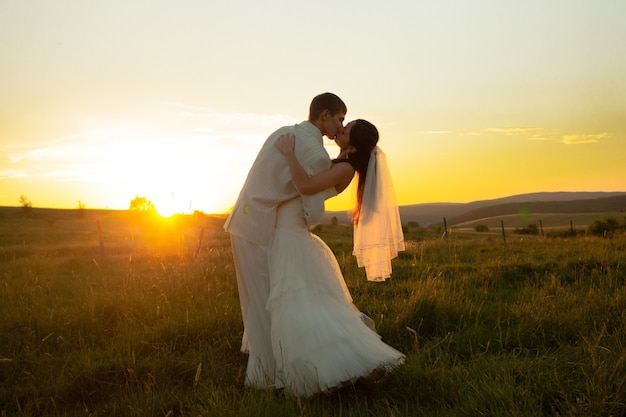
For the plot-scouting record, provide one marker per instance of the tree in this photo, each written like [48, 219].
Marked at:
[141, 204]
[25, 203]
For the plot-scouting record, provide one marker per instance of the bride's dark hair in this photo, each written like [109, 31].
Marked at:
[363, 137]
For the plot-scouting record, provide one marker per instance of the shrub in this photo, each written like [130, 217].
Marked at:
[413, 225]
[530, 229]
[607, 227]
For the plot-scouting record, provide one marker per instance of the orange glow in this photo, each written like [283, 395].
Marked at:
[175, 106]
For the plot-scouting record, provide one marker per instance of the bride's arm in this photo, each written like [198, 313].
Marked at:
[338, 175]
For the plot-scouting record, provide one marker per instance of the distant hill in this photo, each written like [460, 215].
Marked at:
[596, 205]
[433, 213]
[544, 202]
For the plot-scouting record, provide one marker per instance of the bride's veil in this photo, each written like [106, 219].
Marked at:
[378, 232]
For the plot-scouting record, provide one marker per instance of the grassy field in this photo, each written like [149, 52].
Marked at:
[116, 314]
[550, 221]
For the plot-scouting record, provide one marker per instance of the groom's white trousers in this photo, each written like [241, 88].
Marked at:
[251, 266]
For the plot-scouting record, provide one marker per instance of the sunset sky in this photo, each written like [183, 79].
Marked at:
[171, 100]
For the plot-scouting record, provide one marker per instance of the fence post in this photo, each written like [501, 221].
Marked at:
[503, 234]
[445, 228]
[541, 227]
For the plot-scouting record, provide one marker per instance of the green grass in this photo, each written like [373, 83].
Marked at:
[549, 221]
[135, 320]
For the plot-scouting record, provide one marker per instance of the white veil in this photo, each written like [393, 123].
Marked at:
[378, 233]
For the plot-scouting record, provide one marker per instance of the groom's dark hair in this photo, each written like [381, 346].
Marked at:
[325, 101]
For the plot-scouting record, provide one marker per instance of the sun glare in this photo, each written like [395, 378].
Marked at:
[180, 169]
[167, 207]
[178, 174]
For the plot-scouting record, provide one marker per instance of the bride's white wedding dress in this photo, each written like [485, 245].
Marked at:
[319, 340]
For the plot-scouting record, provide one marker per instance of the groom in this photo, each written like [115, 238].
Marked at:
[251, 223]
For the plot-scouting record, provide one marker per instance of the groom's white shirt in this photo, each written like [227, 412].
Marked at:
[269, 183]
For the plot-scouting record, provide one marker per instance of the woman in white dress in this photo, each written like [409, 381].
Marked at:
[319, 338]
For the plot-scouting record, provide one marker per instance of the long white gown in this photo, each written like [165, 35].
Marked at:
[319, 340]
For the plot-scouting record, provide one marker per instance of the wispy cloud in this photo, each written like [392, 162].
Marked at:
[510, 131]
[539, 134]
[208, 119]
[453, 132]
[10, 174]
[173, 135]
[584, 138]
[544, 136]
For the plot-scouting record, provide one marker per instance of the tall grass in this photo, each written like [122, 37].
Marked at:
[148, 325]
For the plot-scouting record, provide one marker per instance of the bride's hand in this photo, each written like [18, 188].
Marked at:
[285, 143]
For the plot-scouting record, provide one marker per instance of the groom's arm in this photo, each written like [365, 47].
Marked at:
[314, 208]
[316, 160]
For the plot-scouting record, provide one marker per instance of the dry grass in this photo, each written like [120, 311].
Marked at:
[136, 321]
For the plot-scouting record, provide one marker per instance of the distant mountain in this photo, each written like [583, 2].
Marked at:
[554, 202]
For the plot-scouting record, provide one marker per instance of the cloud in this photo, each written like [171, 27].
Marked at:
[208, 119]
[234, 129]
[543, 137]
[510, 131]
[10, 174]
[453, 132]
[584, 138]
[176, 137]
[538, 134]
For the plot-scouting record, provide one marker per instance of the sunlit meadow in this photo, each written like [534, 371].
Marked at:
[115, 313]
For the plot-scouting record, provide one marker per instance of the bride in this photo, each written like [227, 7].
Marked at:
[319, 338]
